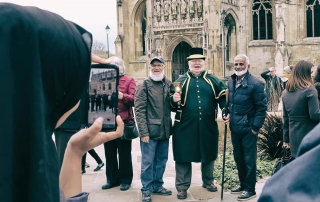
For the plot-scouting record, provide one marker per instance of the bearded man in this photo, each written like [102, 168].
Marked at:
[247, 108]
[153, 115]
[195, 134]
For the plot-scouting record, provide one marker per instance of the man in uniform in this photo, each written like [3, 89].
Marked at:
[195, 133]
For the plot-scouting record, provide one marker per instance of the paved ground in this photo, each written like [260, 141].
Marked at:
[92, 182]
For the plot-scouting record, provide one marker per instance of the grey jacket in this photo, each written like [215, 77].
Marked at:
[301, 114]
[152, 109]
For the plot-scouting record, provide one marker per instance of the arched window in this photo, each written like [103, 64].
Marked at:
[144, 27]
[313, 18]
[103, 86]
[109, 86]
[262, 19]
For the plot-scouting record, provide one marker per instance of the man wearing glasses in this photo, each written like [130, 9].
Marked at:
[274, 87]
[247, 111]
[153, 115]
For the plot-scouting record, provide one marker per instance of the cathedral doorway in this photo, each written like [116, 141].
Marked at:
[179, 60]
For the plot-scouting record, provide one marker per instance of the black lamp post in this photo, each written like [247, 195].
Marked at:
[108, 31]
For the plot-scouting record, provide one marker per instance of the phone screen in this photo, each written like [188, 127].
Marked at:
[103, 95]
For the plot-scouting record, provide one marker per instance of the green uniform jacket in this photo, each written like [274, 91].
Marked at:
[195, 132]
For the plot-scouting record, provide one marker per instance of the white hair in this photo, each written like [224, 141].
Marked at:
[120, 63]
[243, 56]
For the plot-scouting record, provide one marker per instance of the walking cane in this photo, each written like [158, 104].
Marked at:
[224, 146]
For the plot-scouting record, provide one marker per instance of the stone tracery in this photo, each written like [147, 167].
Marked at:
[176, 12]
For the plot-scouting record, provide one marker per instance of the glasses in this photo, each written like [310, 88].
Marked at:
[152, 65]
[238, 64]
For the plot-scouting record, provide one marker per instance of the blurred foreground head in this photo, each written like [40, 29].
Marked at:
[44, 69]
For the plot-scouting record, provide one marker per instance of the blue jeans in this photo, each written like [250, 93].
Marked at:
[153, 163]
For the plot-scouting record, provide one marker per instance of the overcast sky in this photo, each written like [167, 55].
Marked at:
[93, 15]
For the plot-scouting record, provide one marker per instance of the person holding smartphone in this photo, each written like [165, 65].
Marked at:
[45, 62]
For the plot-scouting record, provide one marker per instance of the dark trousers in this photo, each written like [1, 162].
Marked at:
[184, 174]
[118, 172]
[245, 156]
[94, 155]
[61, 138]
[92, 106]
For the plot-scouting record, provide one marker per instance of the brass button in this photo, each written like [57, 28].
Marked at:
[199, 101]
[197, 86]
[200, 119]
[199, 107]
[198, 96]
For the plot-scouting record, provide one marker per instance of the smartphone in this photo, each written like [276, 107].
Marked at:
[103, 95]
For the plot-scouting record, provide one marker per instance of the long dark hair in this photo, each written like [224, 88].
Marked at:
[300, 77]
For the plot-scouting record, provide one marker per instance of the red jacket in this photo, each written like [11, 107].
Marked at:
[127, 86]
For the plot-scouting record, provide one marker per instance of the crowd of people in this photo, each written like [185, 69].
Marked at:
[56, 82]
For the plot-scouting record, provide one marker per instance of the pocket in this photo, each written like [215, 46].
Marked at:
[154, 127]
[178, 115]
[244, 120]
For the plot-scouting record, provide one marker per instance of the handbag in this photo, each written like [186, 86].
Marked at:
[283, 160]
[130, 131]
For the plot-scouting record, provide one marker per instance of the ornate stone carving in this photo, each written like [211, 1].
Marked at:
[148, 40]
[205, 33]
[177, 13]
[157, 9]
[183, 8]
[158, 47]
[167, 40]
[194, 38]
[166, 10]
[192, 8]
[174, 7]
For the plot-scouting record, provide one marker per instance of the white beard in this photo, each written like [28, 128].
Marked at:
[156, 77]
[241, 73]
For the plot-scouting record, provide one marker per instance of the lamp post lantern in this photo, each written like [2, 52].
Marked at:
[108, 31]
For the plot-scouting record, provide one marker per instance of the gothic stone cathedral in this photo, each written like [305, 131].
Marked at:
[270, 32]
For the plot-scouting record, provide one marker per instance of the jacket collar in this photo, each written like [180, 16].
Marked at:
[200, 75]
[244, 82]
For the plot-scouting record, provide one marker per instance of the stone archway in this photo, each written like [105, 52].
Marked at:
[179, 62]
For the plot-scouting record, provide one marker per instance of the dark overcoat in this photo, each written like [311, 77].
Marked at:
[195, 132]
[300, 115]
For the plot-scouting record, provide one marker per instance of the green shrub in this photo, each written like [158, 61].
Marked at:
[264, 169]
[271, 137]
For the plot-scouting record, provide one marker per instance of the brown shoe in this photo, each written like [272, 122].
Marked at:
[210, 187]
[182, 194]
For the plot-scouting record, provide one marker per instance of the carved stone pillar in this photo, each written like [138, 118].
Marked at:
[281, 53]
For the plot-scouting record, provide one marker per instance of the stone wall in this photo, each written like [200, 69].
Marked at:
[167, 24]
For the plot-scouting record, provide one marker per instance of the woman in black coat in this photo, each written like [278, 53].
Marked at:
[300, 106]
